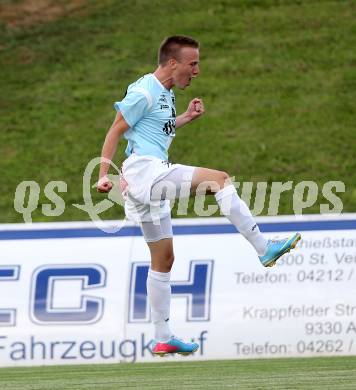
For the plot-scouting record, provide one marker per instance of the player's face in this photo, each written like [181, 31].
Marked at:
[187, 67]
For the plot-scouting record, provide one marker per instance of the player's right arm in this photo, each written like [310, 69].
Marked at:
[112, 139]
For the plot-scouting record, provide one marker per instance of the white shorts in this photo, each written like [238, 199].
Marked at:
[153, 232]
[151, 183]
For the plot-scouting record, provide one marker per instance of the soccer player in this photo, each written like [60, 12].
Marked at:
[146, 118]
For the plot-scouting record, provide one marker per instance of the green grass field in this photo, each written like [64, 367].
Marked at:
[278, 79]
[313, 373]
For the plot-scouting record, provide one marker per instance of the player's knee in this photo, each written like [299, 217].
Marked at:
[168, 262]
[224, 179]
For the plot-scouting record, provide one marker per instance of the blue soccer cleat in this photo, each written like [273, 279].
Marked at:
[277, 248]
[174, 345]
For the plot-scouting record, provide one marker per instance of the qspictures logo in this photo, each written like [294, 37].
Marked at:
[258, 196]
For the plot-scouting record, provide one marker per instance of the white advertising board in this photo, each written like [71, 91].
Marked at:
[70, 293]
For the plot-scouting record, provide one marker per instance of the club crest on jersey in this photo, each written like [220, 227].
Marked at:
[169, 127]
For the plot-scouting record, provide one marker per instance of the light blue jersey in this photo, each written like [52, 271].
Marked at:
[149, 110]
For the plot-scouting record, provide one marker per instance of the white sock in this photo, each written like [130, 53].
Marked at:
[237, 212]
[159, 298]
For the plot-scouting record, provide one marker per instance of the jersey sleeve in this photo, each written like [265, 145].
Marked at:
[134, 106]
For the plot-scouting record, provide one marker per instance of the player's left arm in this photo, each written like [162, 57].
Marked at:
[195, 110]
